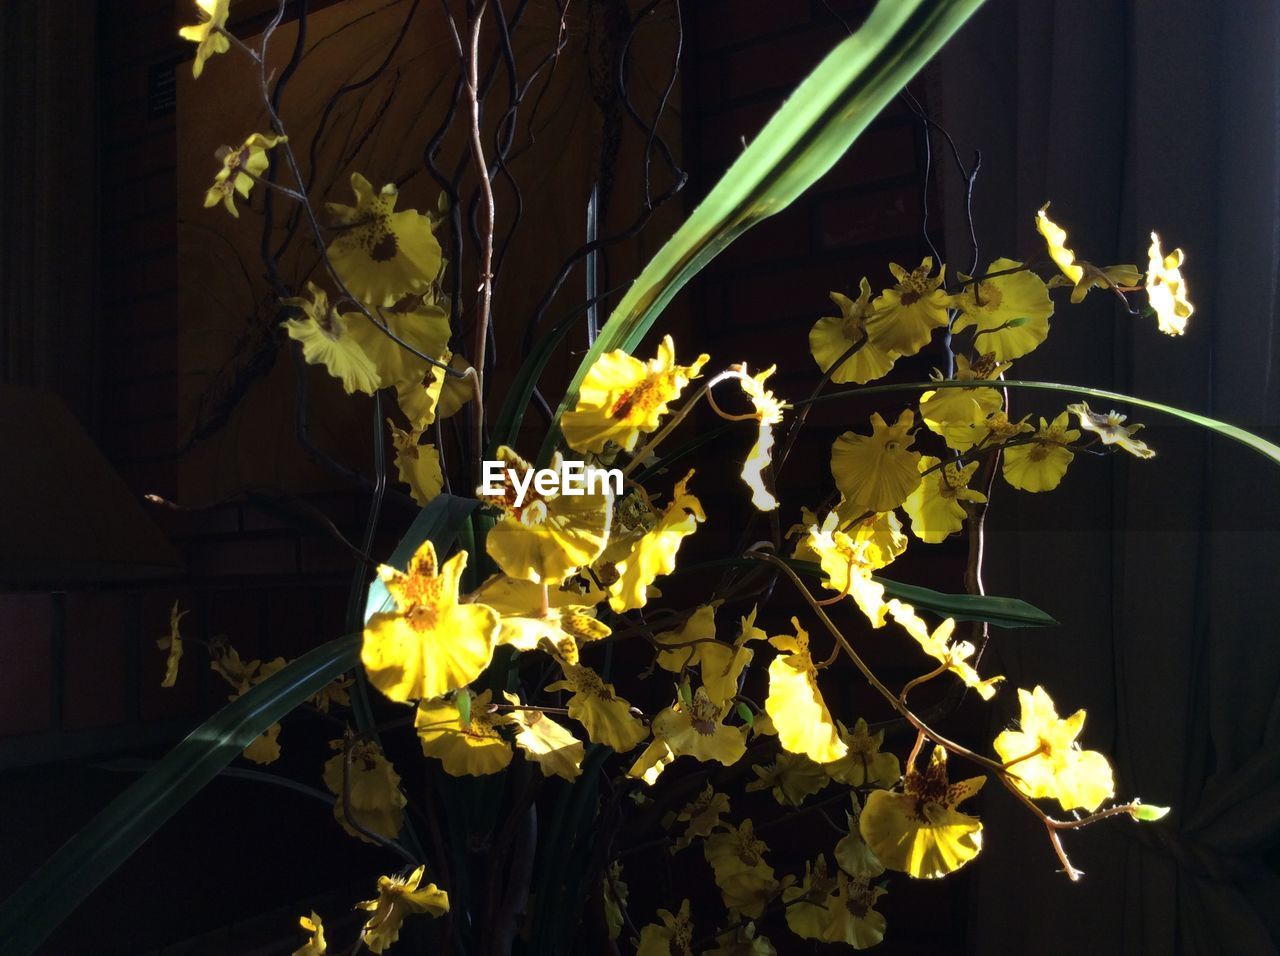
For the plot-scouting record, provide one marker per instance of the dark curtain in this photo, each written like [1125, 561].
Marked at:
[1132, 116]
[48, 197]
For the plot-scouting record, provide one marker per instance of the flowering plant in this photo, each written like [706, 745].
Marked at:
[502, 635]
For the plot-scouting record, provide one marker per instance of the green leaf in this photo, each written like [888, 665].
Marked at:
[53, 891]
[439, 522]
[747, 714]
[462, 700]
[998, 611]
[813, 129]
[1234, 432]
[506, 426]
[1148, 812]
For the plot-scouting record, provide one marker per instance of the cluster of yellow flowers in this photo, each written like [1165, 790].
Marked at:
[567, 569]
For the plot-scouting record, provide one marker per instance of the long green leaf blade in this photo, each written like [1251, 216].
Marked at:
[816, 125]
[83, 862]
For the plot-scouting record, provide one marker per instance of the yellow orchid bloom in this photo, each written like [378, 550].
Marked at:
[1045, 759]
[832, 336]
[850, 914]
[848, 560]
[382, 255]
[172, 642]
[1111, 429]
[795, 703]
[1039, 465]
[806, 911]
[1009, 313]
[742, 940]
[905, 316]
[737, 860]
[315, 945]
[919, 831]
[606, 716]
[864, 765]
[424, 328]
[377, 803]
[791, 778]
[399, 897]
[1166, 290]
[851, 852]
[239, 168]
[876, 472]
[207, 34]
[622, 397]
[326, 339]
[672, 936]
[701, 816]
[654, 554]
[470, 748]
[696, 729]
[935, 506]
[768, 412]
[561, 628]
[954, 655]
[430, 644]
[943, 408]
[545, 537]
[548, 744]
[417, 465]
[615, 893]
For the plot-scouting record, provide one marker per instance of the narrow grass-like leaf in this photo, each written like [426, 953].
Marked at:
[506, 427]
[816, 125]
[32, 913]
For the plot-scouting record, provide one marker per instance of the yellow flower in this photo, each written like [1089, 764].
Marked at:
[172, 642]
[697, 729]
[430, 644]
[466, 748]
[832, 336]
[906, 315]
[615, 894]
[700, 815]
[417, 465]
[806, 910]
[334, 692]
[1055, 238]
[265, 748]
[768, 412]
[791, 778]
[556, 751]
[424, 328]
[1165, 289]
[1045, 759]
[399, 897]
[380, 254]
[316, 945]
[878, 539]
[742, 941]
[621, 397]
[377, 804]
[935, 506]
[722, 664]
[945, 408]
[671, 937]
[864, 765]
[606, 716]
[1111, 429]
[525, 625]
[851, 851]
[795, 703]
[327, 340]
[239, 167]
[954, 655]
[654, 554]
[1010, 313]
[546, 536]
[1081, 275]
[1039, 465]
[207, 33]
[847, 561]
[920, 831]
[746, 881]
[850, 915]
[653, 760]
[876, 472]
